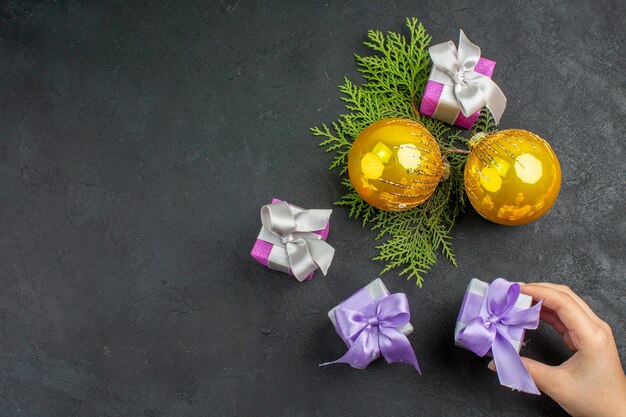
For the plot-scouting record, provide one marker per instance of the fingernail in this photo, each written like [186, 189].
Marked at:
[492, 366]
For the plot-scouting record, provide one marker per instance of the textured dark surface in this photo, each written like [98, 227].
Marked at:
[138, 141]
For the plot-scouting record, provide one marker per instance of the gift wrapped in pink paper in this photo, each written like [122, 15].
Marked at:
[293, 240]
[460, 85]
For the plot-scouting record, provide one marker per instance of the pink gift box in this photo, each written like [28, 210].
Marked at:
[432, 98]
[262, 249]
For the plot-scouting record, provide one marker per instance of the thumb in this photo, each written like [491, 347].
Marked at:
[545, 376]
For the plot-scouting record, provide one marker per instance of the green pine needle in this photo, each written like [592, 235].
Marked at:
[395, 78]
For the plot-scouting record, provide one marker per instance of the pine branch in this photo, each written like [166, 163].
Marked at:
[395, 75]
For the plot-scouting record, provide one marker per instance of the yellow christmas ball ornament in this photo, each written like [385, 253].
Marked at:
[395, 164]
[512, 177]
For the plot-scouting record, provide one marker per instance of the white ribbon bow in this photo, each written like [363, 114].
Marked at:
[292, 228]
[472, 90]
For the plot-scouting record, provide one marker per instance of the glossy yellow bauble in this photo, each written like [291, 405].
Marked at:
[395, 164]
[512, 177]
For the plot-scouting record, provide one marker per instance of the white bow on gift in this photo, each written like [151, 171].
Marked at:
[292, 228]
[472, 90]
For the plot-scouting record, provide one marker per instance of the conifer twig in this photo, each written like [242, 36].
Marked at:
[450, 149]
[416, 112]
[394, 77]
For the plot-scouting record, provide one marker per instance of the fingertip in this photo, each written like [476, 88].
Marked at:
[491, 366]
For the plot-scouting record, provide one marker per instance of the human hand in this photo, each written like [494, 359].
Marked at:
[592, 381]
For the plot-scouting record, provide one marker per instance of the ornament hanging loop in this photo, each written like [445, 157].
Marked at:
[446, 168]
[475, 139]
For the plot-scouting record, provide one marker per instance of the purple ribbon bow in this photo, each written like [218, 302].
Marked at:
[488, 331]
[376, 333]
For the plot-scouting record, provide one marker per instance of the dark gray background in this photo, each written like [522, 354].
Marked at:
[138, 141]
